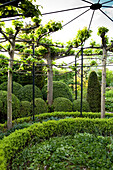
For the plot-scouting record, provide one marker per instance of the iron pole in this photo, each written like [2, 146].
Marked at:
[75, 79]
[33, 82]
[81, 80]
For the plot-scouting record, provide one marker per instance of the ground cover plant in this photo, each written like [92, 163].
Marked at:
[39, 132]
[81, 151]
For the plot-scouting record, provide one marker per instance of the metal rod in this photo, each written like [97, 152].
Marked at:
[33, 83]
[106, 15]
[107, 6]
[107, 2]
[91, 20]
[75, 79]
[65, 10]
[81, 80]
[75, 18]
[87, 1]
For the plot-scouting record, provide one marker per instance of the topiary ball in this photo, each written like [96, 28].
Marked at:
[60, 89]
[40, 106]
[3, 106]
[62, 104]
[25, 108]
[15, 87]
[26, 93]
[77, 105]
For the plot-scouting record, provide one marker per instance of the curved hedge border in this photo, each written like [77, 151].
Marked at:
[18, 140]
[41, 117]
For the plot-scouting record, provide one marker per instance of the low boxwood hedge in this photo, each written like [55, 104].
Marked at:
[58, 115]
[18, 140]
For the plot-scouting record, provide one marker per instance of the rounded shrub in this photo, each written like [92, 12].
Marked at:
[15, 87]
[3, 106]
[40, 106]
[94, 93]
[26, 93]
[77, 105]
[25, 108]
[62, 104]
[60, 89]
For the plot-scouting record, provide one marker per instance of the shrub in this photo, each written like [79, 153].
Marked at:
[3, 106]
[16, 87]
[77, 105]
[109, 104]
[40, 106]
[26, 93]
[62, 104]
[94, 92]
[25, 108]
[60, 89]
[109, 93]
[18, 140]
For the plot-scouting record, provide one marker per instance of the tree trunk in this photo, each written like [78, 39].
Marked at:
[103, 86]
[9, 90]
[49, 81]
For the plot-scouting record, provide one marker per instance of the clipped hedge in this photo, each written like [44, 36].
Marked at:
[16, 86]
[26, 93]
[40, 106]
[3, 106]
[60, 89]
[25, 108]
[85, 106]
[18, 140]
[62, 104]
[56, 115]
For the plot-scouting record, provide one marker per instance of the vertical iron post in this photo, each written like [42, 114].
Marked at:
[75, 79]
[81, 80]
[33, 82]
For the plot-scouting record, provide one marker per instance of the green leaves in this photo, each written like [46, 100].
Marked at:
[9, 30]
[81, 151]
[102, 31]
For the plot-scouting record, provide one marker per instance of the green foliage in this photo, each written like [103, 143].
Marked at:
[109, 104]
[81, 151]
[64, 76]
[17, 23]
[109, 94]
[26, 93]
[15, 87]
[62, 104]
[93, 63]
[25, 8]
[15, 142]
[109, 77]
[60, 89]
[102, 31]
[10, 30]
[94, 92]
[77, 105]
[3, 106]
[83, 35]
[25, 108]
[55, 116]
[15, 127]
[40, 106]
